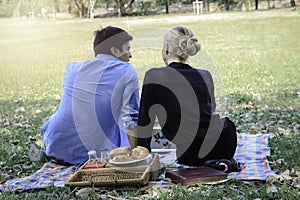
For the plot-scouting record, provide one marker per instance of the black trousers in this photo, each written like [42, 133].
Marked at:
[224, 148]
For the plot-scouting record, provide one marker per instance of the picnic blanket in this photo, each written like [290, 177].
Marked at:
[252, 150]
[51, 174]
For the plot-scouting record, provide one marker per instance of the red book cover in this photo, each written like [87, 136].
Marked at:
[193, 176]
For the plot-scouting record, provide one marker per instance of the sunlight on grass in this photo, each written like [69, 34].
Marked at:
[258, 56]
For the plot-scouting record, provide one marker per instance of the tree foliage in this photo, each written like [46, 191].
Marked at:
[85, 8]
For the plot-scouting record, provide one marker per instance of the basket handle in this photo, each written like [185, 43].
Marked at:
[108, 174]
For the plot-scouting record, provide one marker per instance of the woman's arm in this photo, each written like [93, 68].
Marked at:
[210, 86]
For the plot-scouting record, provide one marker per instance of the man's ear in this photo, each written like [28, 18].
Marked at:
[115, 51]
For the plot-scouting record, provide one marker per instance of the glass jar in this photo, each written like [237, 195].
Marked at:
[92, 155]
[104, 155]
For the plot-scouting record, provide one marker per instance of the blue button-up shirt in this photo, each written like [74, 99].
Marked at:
[100, 100]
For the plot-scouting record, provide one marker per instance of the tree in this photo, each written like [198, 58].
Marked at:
[91, 8]
[79, 4]
[227, 3]
[293, 3]
[56, 6]
[121, 6]
[206, 4]
[69, 6]
[256, 4]
[17, 12]
[165, 3]
[167, 6]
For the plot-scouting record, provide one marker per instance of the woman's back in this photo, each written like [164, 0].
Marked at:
[182, 98]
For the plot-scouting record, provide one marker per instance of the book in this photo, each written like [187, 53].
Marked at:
[193, 176]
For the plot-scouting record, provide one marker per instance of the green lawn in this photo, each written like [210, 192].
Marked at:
[250, 54]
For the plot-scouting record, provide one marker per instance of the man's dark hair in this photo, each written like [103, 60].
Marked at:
[110, 37]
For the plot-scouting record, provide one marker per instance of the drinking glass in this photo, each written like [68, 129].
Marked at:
[104, 156]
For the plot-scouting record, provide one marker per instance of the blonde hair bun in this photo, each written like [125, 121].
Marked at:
[182, 42]
[190, 46]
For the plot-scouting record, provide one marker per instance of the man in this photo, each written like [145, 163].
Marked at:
[99, 104]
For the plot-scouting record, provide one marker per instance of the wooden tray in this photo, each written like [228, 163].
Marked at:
[114, 176]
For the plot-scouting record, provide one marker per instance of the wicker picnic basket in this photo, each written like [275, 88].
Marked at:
[116, 176]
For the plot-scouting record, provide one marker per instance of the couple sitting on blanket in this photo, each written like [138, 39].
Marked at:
[101, 108]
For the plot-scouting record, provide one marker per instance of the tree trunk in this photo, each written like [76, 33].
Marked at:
[256, 4]
[167, 6]
[206, 5]
[69, 9]
[69, 6]
[92, 5]
[56, 6]
[120, 13]
[120, 5]
[293, 3]
[226, 5]
[80, 7]
[130, 3]
[31, 8]
[17, 12]
[106, 7]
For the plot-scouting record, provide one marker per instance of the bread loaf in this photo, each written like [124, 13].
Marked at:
[139, 152]
[122, 158]
[119, 151]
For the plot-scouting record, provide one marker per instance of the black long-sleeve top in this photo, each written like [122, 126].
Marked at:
[182, 98]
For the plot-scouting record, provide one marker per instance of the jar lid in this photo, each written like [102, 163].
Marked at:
[92, 153]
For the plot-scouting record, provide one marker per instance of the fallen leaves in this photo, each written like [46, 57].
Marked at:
[277, 121]
[20, 109]
[272, 189]
[288, 176]
[293, 180]
[84, 192]
[285, 176]
[271, 179]
[20, 127]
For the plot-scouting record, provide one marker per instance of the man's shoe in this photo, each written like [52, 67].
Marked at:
[36, 153]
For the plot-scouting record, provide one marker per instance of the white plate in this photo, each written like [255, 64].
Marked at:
[162, 151]
[143, 161]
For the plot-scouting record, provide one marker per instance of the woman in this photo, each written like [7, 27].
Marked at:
[182, 99]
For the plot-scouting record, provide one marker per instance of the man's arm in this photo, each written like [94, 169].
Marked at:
[130, 108]
[132, 137]
[146, 118]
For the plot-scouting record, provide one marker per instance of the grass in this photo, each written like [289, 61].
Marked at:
[248, 54]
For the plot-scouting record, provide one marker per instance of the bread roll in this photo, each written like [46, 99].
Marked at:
[139, 152]
[119, 151]
[122, 158]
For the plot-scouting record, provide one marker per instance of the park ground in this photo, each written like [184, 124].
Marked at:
[253, 56]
